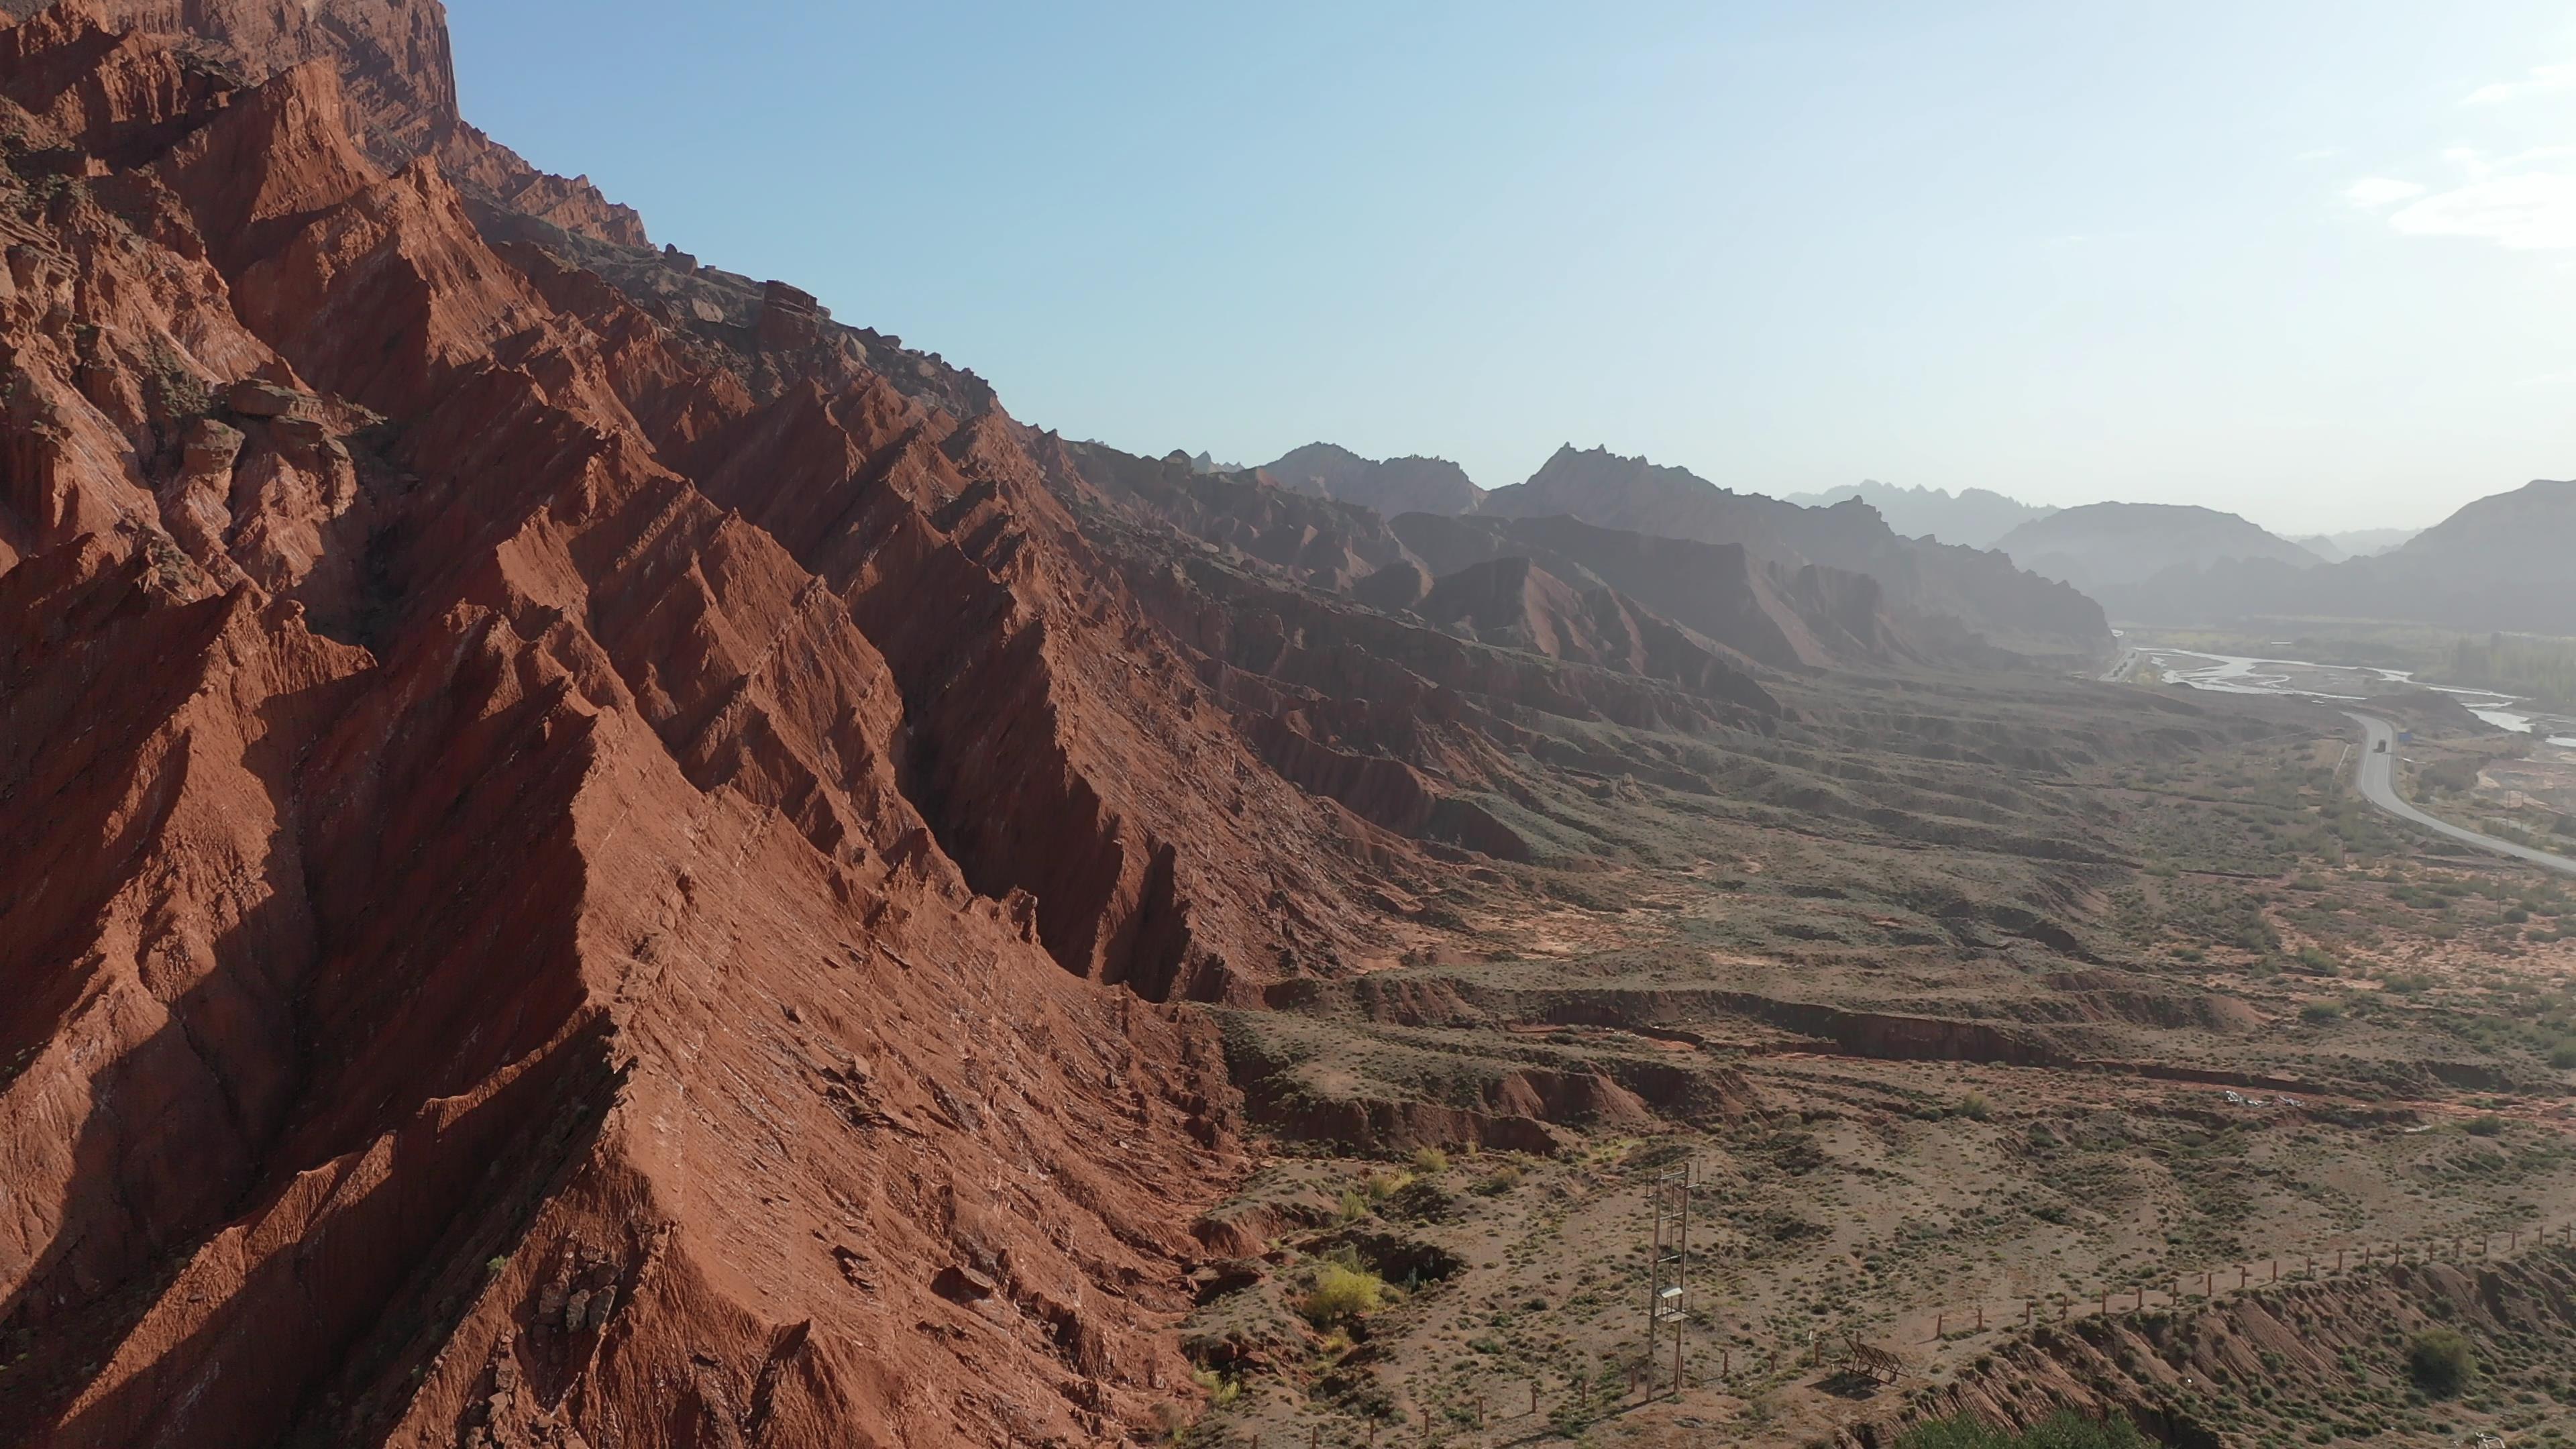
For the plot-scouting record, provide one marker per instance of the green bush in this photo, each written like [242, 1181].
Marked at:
[1975, 1107]
[2440, 1361]
[1342, 1293]
[2063, 1431]
[1430, 1162]
[2320, 1013]
[1220, 1390]
[2563, 1056]
[2488, 1125]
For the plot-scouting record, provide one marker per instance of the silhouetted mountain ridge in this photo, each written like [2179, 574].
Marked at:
[1391, 486]
[1972, 517]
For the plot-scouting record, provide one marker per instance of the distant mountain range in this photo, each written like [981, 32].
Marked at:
[1972, 518]
[1985, 593]
[2027, 578]
[2361, 543]
[2105, 545]
[2500, 564]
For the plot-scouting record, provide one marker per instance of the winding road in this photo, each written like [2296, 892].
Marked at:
[2378, 782]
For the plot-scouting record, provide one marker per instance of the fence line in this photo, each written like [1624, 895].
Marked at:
[2184, 1287]
[1645, 1383]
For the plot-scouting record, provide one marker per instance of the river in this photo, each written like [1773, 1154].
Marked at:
[2343, 683]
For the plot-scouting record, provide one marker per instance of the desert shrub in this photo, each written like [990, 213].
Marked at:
[1343, 1292]
[2440, 1361]
[1431, 1161]
[2486, 1125]
[2321, 1013]
[1501, 1180]
[2452, 776]
[2563, 1056]
[1351, 1208]
[1220, 1390]
[1975, 1107]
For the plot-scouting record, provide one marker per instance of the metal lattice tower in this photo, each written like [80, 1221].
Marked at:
[1668, 1270]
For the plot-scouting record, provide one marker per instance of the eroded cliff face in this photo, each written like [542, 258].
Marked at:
[572, 882]
[397, 72]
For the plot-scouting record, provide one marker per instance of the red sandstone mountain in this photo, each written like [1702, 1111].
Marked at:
[564, 865]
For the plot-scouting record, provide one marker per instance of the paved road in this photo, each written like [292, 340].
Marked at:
[2378, 781]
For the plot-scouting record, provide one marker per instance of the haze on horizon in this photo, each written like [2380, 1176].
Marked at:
[2313, 263]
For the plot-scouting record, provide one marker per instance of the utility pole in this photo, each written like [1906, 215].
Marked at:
[1668, 1270]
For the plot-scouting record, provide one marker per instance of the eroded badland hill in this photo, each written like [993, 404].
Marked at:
[595, 857]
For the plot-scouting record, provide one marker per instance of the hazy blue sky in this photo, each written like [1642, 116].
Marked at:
[2309, 260]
